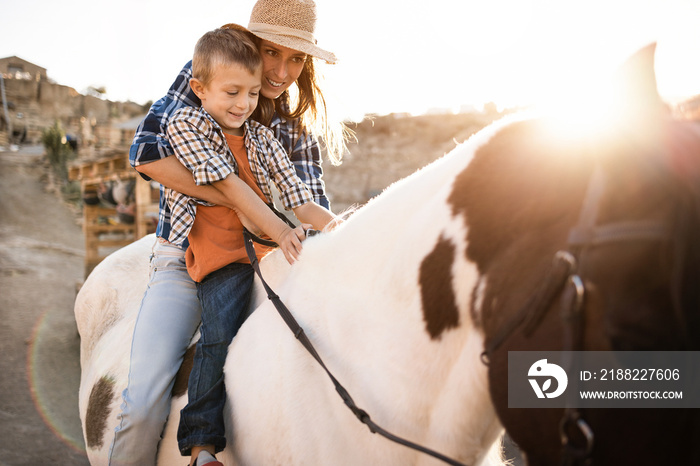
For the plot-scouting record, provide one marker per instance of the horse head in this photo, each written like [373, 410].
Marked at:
[607, 222]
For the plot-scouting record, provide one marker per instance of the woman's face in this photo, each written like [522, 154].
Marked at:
[281, 67]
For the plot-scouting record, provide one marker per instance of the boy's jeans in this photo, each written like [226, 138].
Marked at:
[224, 296]
[167, 321]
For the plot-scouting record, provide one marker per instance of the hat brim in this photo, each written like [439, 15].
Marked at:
[301, 45]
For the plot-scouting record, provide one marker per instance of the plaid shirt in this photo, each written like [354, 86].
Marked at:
[151, 143]
[200, 145]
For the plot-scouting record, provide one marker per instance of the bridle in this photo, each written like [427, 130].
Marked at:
[577, 437]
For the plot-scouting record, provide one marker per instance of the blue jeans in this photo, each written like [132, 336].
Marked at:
[224, 296]
[167, 321]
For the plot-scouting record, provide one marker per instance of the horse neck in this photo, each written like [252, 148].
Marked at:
[366, 276]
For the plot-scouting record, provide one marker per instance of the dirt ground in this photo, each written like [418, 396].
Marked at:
[41, 259]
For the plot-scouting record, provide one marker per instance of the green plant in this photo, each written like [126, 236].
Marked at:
[57, 150]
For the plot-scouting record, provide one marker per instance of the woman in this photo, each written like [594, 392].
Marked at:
[170, 312]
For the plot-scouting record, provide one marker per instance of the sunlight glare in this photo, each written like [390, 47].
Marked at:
[587, 109]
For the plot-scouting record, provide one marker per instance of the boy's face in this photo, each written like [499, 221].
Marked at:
[231, 95]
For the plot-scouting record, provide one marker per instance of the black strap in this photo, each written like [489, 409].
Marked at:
[304, 340]
[268, 242]
[532, 312]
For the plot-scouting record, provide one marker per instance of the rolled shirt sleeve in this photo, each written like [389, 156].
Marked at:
[271, 157]
[197, 149]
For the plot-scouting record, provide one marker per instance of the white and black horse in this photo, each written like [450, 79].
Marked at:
[403, 298]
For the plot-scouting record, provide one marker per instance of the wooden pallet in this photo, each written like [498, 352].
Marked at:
[111, 167]
[101, 228]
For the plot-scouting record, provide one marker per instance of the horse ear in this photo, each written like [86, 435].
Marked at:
[635, 84]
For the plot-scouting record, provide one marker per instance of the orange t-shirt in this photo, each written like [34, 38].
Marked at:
[216, 237]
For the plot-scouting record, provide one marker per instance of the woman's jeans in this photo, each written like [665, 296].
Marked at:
[167, 321]
[224, 296]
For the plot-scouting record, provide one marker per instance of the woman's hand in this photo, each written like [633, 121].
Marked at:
[314, 214]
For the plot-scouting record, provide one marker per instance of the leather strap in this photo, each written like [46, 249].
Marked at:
[298, 332]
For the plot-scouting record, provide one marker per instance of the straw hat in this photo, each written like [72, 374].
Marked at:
[289, 23]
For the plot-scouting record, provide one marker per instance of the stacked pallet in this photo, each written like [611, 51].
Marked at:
[104, 228]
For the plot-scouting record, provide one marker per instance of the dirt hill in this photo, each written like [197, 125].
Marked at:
[392, 147]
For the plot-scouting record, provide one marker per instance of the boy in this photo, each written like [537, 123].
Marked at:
[239, 157]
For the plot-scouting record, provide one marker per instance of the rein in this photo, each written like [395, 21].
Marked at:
[299, 334]
[577, 437]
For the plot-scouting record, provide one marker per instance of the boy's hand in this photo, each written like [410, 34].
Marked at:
[290, 242]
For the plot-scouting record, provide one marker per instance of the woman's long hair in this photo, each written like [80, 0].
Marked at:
[310, 110]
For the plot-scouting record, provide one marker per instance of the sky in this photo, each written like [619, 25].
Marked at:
[394, 55]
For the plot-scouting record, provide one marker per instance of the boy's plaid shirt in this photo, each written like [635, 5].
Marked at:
[200, 145]
[151, 143]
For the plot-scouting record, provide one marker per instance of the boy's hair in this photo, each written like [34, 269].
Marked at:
[225, 46]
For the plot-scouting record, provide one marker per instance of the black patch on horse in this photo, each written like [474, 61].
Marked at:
[435, 279]
[101, 397]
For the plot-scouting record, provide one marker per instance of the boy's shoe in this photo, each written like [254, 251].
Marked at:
[207, 459]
